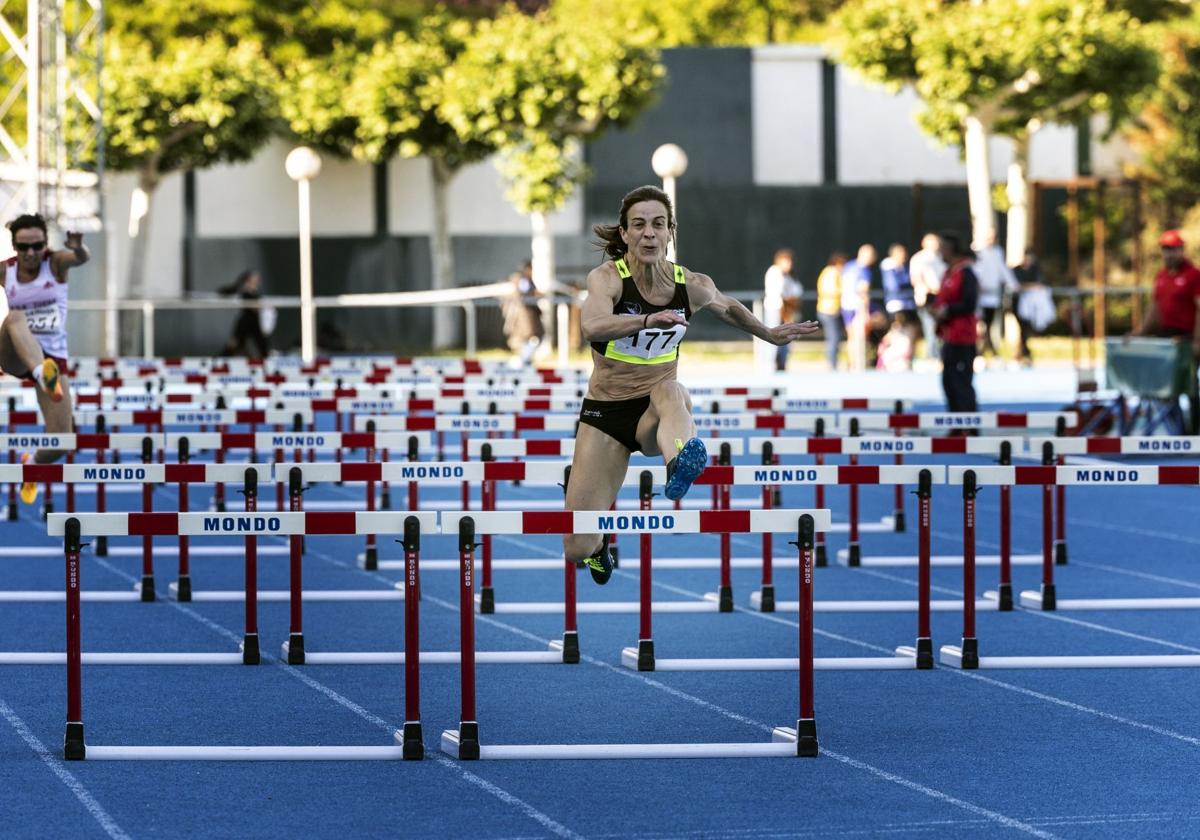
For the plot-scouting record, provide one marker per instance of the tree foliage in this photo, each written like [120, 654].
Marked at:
[397, 95]
[209, 104]
[676, 23]
[1166, 131]
[529, 85]
[1051, 60]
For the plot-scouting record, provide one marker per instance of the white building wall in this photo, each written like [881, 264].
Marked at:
[477, 203]
[787, 114]
[257, 198]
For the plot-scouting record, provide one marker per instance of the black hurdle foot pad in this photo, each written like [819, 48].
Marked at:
[854, 554]
[11, 512]
[296, 649]
[615, 553]
[147, 588]
[1060, 553]
[219, 505]
[371, 559]
[47, 509]
[73, 746]
[725, 599]
[806, 739]
[570, 647]
[250, 651]
[901, 523]
[645, 656]
[1049, 600]
[820, 558]
[766, 599]
[1004, 597]
[924, 654]
[385, 501]
[487, 600]
[101, 546]
[970, 653]
[183, 588]
[412, 747]
[777, 497]
[468, 741]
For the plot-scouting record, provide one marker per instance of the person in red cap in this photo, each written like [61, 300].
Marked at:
[1175, 308]
[1176, 301]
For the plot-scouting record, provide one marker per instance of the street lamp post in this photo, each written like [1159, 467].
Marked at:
[302, 165]
[670, 162]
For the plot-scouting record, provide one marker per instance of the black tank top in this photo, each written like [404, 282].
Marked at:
[651, 346]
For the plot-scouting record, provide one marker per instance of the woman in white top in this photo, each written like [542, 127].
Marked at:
[35, 285]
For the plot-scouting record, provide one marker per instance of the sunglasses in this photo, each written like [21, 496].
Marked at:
[29, 246]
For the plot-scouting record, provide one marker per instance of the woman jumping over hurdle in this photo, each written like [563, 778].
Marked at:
[35, 283]
[635, 315]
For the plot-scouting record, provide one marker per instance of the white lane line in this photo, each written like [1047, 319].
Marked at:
[547, 822]
[58, 768]
[992, 816]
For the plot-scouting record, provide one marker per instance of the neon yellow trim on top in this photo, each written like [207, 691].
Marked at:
[611, 353]
[622, 269]
[679, 275]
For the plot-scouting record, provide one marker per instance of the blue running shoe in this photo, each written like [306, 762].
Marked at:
[685, 468]
[600, 563]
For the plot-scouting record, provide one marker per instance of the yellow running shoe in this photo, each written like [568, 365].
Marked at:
[29, 490]
[51, 381]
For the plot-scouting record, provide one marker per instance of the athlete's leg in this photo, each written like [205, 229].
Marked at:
[57, 419]
[20, 352]
[667, 424]
[597, 472]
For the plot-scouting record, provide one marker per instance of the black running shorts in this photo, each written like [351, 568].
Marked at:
[616, 418]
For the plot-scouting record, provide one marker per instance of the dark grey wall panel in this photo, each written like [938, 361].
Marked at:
[705, 107]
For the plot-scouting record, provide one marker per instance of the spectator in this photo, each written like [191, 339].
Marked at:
[856, 290]
[1034, 305]
[925, 270]
[781, 295]
[898, 296]
[829, 303]
[995, 278]
[895, 349]
[248, 328]
[522, 316]
[954, 310]
[1175, 308]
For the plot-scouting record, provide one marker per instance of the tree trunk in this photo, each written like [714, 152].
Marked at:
[979, 180]
[445, 318]
[1019, 218]
[542, 250]
[139, 246]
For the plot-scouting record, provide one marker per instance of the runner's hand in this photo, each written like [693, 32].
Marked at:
[665, 318]
[74, 239]
[787, 333]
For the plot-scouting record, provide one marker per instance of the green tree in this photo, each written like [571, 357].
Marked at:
[394, 98]
[993, 66]
[193, 105]
[1166, 131]
[530, 86]
[709, 22]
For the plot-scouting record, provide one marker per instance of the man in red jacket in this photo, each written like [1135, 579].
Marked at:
[954, 311]
[1175, 309]
[1176, 301]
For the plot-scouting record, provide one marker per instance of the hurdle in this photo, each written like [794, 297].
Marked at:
[966, 655]
[72, 528]
[464, 742]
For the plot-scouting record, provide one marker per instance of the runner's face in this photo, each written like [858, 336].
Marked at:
[29, 257]
[647, 233]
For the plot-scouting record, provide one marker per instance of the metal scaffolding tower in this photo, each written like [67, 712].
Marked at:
[51, 137]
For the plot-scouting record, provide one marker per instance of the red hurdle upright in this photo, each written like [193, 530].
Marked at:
[296, 631]
[412, 743]
[468, 726]
[250, 648]
[73, 748]
[806, 725]
[970, 643]
[1004, 590]
[924, 648]
[183, 583]
[645, 649]
[766, 592]
[147, 540]
[1048, 599]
